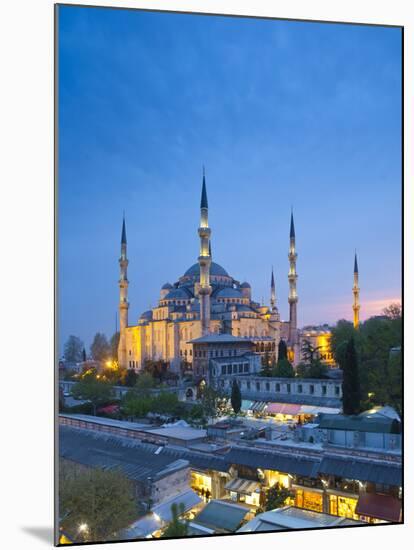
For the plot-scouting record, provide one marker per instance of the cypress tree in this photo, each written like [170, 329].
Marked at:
[282, 350]
[236, 397]
[351, 392]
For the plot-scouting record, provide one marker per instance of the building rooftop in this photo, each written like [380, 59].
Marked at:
[221, 516]
[98, 450]
[369, 421]
[290, 517]
[179, 432]
[218, 339]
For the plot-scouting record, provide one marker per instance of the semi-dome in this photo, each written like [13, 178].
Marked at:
[215, 269]
[167, 286]
[245, 285]
[177, 294]
[229, 293]
[147, 315]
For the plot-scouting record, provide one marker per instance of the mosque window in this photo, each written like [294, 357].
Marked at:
[258, 386]
[223, 369]
[323, 390]
[248, 385]
[278, 387]
[300, 388]
[336, 390]
[311, 388]
[288, 388]
[246, 367]
[191, 352]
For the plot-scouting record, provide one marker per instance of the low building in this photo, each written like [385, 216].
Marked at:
[156, 477]
[301, 391]
[289, 517]
[373, 429]
[215, 355]
[184, 436]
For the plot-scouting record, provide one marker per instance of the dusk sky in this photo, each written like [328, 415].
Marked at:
[280, 113]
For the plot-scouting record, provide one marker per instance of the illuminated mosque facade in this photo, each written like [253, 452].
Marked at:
[208, 300]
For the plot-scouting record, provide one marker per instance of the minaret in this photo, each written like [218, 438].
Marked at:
[292, 278]
[272, 292]
[355, 289]
[204, 261]
[123, 299]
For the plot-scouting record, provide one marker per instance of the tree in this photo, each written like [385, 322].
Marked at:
[340, 335]
[177, 527]
[130, 378]
[282, 350]
[95, 504]
[310, 353]
[73, 349]
[283, 369]
[214, 402]
[145, 382]
[114, 342]
[236, 398]
[393, 311]
[275, 497]
[100, 348]
[92, 389]
[351, 391]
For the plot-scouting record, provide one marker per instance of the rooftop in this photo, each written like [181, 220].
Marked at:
[369, 421]
[221, 516]
[290, 517]
[179, 432]
[98, 450]
[218, 339]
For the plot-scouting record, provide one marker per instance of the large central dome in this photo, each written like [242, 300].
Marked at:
[215, 269]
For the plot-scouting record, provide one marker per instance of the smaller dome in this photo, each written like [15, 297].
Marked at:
[245, 285]
[229, 293]
[147, 315]
[167, 286]
[177, 294]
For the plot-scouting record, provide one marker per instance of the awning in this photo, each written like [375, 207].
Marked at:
[189, 499]
[246, 405]
[385, 507]
[243, 486]
[283, 408]
[259, 406]
[314, 409]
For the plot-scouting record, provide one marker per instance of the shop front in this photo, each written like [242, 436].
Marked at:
[343, 505]
[201, 483]
[244, 490]
[309, 499]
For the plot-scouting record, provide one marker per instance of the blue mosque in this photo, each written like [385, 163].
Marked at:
[205, 300]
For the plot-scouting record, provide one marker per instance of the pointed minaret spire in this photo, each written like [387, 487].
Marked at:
[355, 290]
[204, 202]
[292, 225]
[123, 235]
[204, 261]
